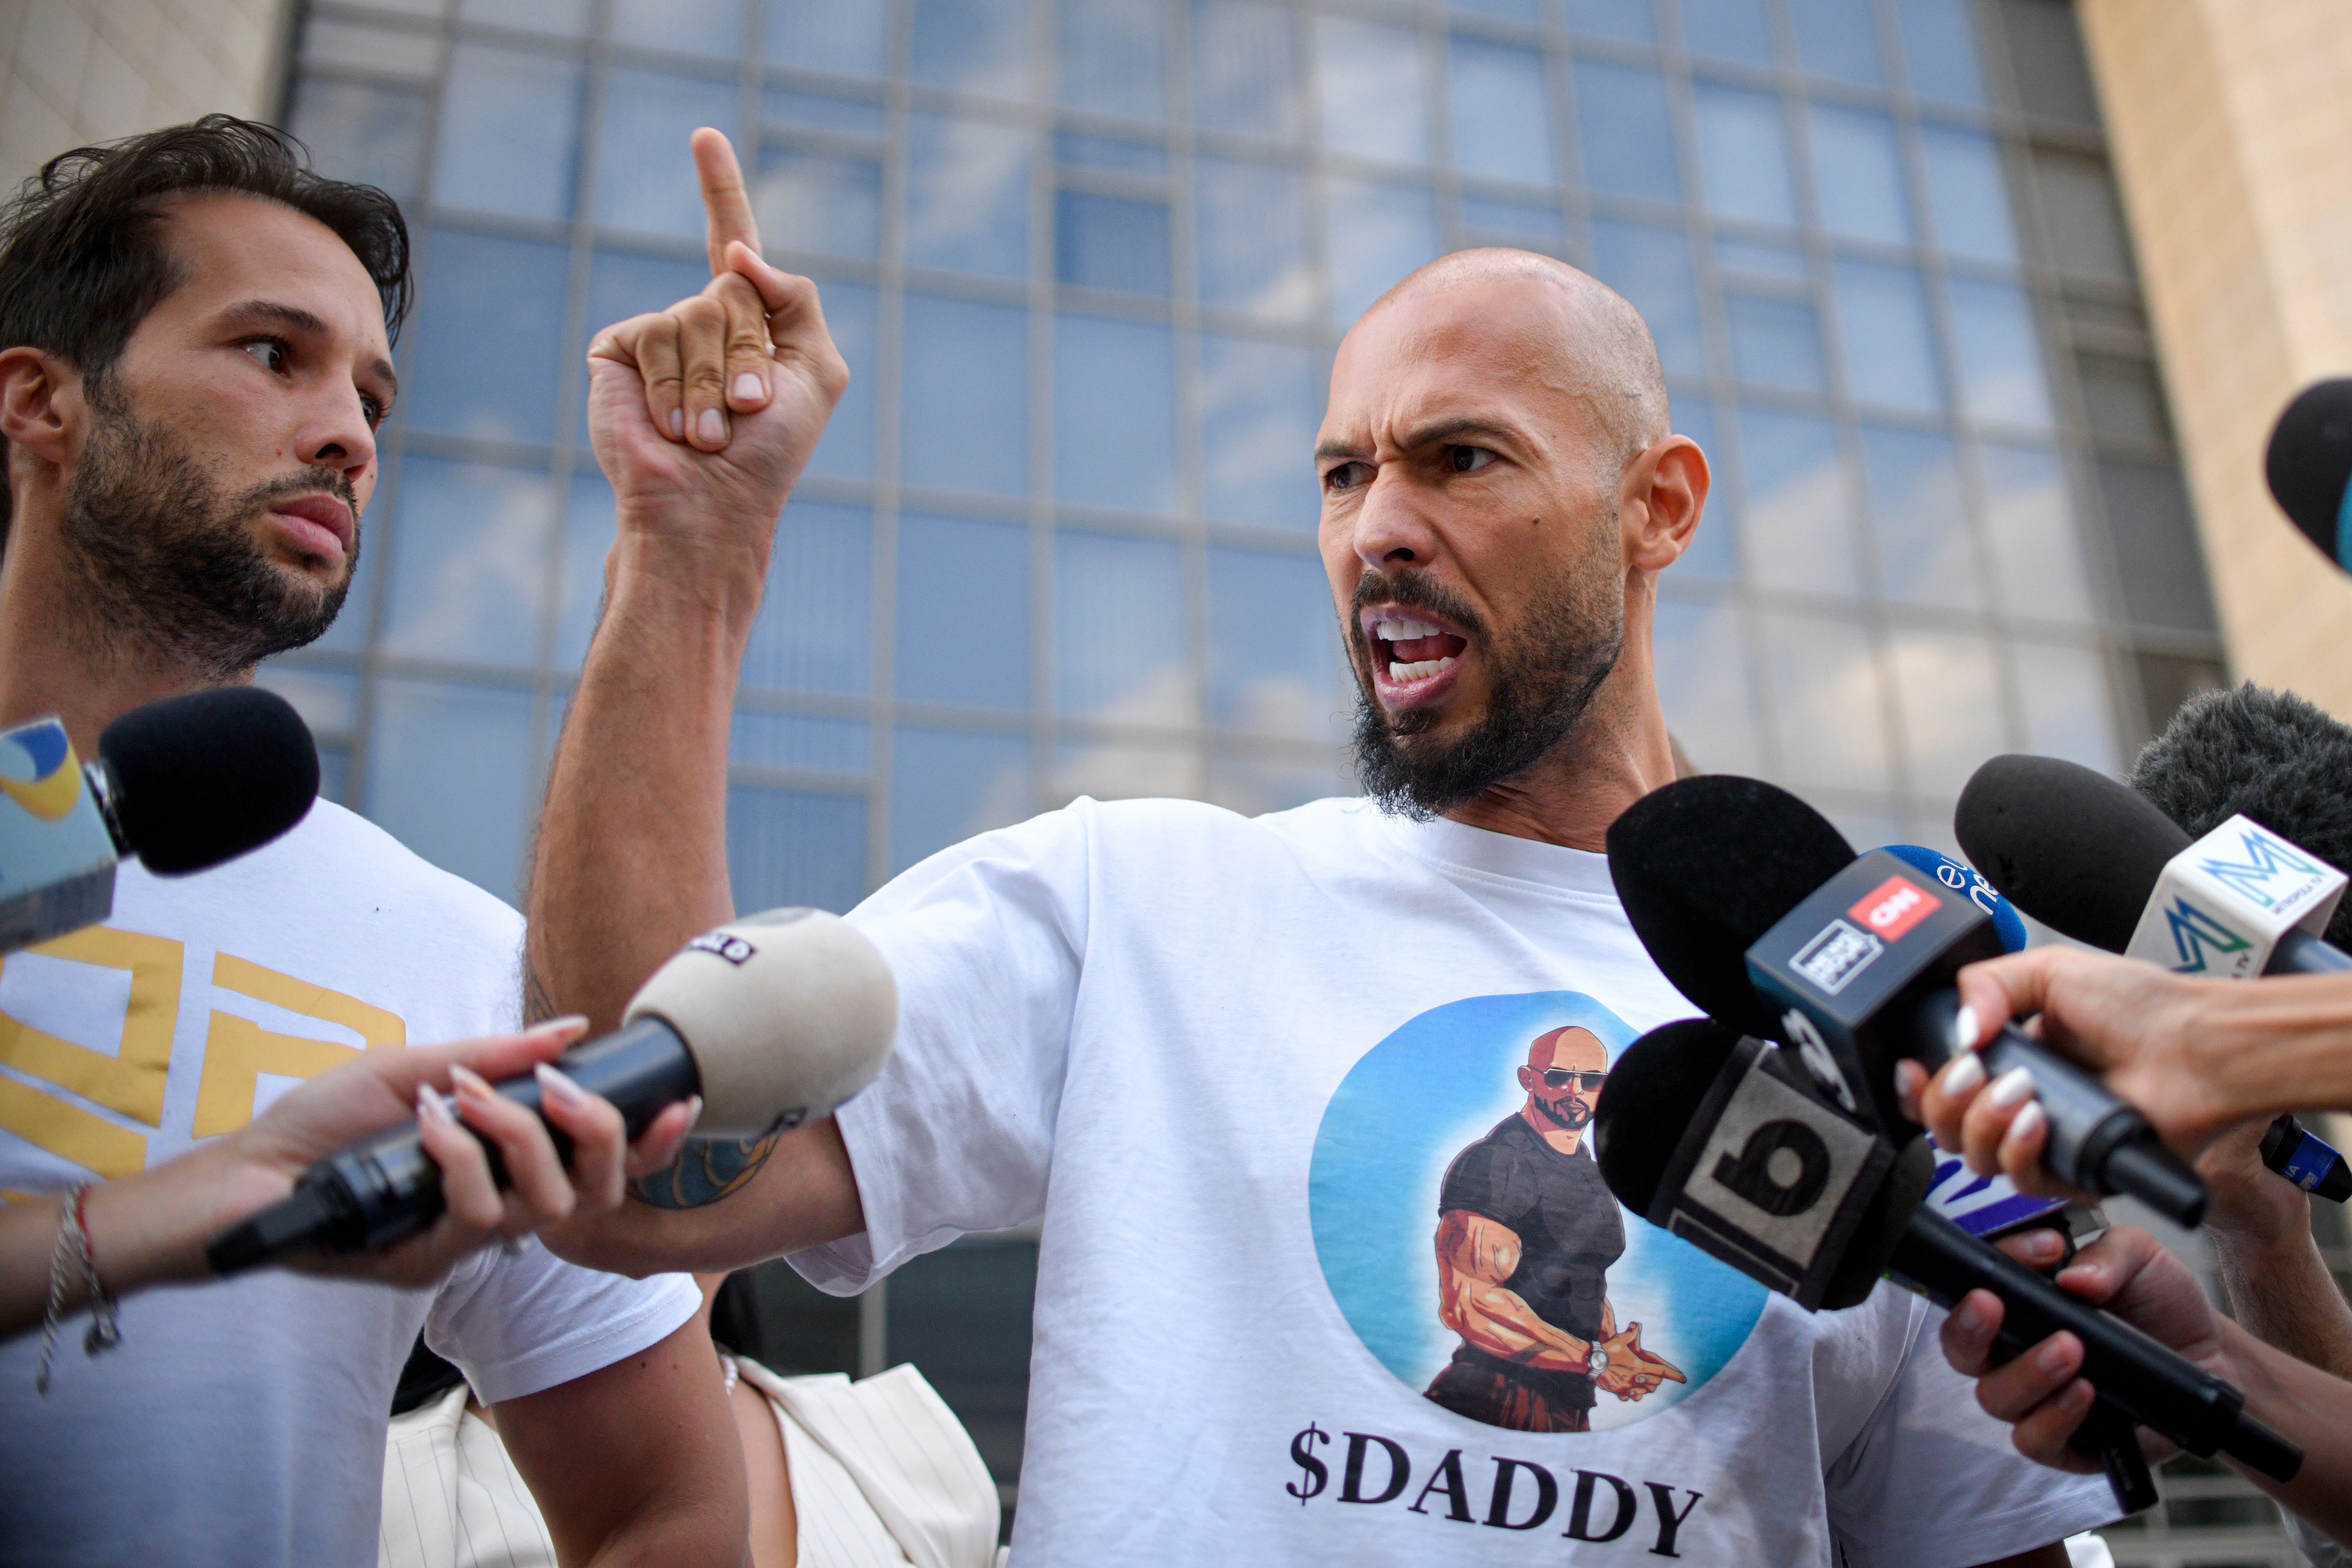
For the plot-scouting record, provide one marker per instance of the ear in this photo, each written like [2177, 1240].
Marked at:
[1667, 490]
[42, 409]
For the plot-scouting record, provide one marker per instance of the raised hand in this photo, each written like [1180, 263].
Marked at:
[1633, 1372]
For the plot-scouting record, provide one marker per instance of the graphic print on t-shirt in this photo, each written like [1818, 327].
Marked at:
[1470, 1243]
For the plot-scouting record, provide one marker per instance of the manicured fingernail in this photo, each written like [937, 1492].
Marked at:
[693, 1113]
[1962, 1076]
[1964, 1029]
[2051, 1357]
[749, 388]
[431, 1107]
[711, 427]
[2025, 1123]
[571, 1023]
[560, 1088]
[678, 421]
[2076, 1395]
[469, 1081]
[1910, 1077]
[1968, 1315]
[2045, 1242]
[2010, 1088]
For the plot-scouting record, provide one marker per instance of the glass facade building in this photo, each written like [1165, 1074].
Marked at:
[1089, 260]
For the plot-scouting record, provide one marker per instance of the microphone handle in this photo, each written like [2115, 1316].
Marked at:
[2149, 1382]
[2300, 952]
[374, 1194]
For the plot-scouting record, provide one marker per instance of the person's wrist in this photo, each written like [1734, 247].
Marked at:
[151, 1228]
[694, 573]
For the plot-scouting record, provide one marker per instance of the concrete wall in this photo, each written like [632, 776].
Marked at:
[2231, 127]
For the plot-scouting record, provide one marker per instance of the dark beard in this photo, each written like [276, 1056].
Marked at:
[1542, 686]
[1573, 1116]
[167, 567]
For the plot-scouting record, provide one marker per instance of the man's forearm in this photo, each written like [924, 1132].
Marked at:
[2308, 1407]
[2285, 1295]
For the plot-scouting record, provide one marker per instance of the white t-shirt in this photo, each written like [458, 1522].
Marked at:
[242, 1422]
[1231, 1064]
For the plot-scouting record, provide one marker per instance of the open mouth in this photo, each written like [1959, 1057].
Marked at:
[1409, 649]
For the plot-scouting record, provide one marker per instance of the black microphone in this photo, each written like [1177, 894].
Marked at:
[1757, 910]
[1716, 1137]
[2309, 461]
[774, 1020]
[184, 784]
[2307, 1159]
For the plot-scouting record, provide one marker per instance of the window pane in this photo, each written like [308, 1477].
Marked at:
[1368, 86]
[1628, 137]
[449, 773]
[590, 524]
[1274, 647]
[1775, 342]
[1837, 38]
[1890, 348]
[966, 399]
[1713, 552]
[1254, 785]
[645, 172]
[468, 562]
[1127, 770]
[1245, 68]
[374, 136]
[1729, 30]
[509, 133]
[820, 112]
[697, 27]
[1111, 153]
[1924, 554]
[1825, 704]
[846, 450]
[1261, 404]
[327, 700]
[1114, 414]
[2159, 561]
[1797, 516]
[948, 568]
[1112, 61]
[2069, 710]
[564, 16]
[1966, 193]
[1502, 115]
[489, 338]
[2035, 547]
[814, 201]
[2121, 398]
[815, 631]
[1743, 150]
[1538, 226]
[2080, 215]
[1252, 219]
[621, 286]
[962, 1316]
[1378, 234]
[1652, 267]
[967, 197]
[946, 786]
[785, 847]
[1632, 20]
[845, 36]
[1110, 242]
[1746, 260]
[1702, 668]
[760, 739]
[979, 46]
[331, 42]
[1949, 688]
[1999, 353]
[1939, 49]
[1119, 631]
[1859, 175]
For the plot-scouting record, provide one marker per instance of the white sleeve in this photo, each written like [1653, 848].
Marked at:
[986, 941]
[1932, 1481]
[515, 1324]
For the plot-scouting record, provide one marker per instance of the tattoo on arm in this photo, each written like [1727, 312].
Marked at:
[537, 1006]
[706, 1170]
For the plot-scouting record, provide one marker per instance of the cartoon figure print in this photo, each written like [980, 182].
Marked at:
[1526, 1232]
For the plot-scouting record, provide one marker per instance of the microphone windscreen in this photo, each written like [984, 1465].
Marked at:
[2269, 755]
[201, 779]
[1871, 1248]
[1654, 1087]
[787, 1015]
[1963, 880]
[2073, 848]
[2309, 461]
[1707, 865]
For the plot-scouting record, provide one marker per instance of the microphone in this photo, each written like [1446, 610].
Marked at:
[1719, 1139]
[2309, 461]
[2307, 1160]
[774, 1020]
[1757, 909]
[184, 784]
[1970, 884]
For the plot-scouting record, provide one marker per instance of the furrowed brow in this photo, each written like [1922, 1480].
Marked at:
[271, 313]
[1460, 432]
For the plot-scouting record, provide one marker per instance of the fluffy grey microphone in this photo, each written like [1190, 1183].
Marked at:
[2269, 755]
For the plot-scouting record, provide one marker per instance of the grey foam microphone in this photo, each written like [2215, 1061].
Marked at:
[774, 1020]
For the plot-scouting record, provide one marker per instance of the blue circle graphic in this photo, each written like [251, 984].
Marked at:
[1438, 1084]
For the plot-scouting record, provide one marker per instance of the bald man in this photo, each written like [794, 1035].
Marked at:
[1223, 1062]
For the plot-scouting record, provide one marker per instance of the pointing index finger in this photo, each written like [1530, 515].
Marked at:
[725, 204]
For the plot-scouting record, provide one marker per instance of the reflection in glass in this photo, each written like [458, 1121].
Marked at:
[468, 562]
[820, 112]
[449, 774]
[1369, 87]
[1949, 688]
[1527, 11]
[379, 51]
[847, 448]
[696, 26]
[509, 133]
[1825, 704]
[1274, 664]
[1713, 552]
[1110, 60]
[1538, 226]
[1796, 516]
[2069, 710]
[814, 201]
[849, 36]
[570, 16]
[1255, 784]
[1859, 175]
[1939, 49]
[1999, 355]
[1252, 222]
[816, 627]
[327, 700]
[1127, 770]
[1753, 260]
[1967, 195]
[978, 46]
[1743, 152]
[590, 524]
[2031, 523]
[1775, 342]
[966, 196]
[1635, 21]
[965, 401]
[1837, 38]
[1110, 152]
[793, 847]
[620, 286]
[1378, 233]
[963, 612]
[947, 786]
[1261, 404]
[1110, 242]
[1890, 346]
[1701, 656]
[489, 333]
[1924, 554]
[1729, 30]
[798, 742]
[644, 169]
[1626, 132]
[1119, 631]
[1114, 414]
[1245, 68]
[372, 135]
[1502, 116]
[1652, 267]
